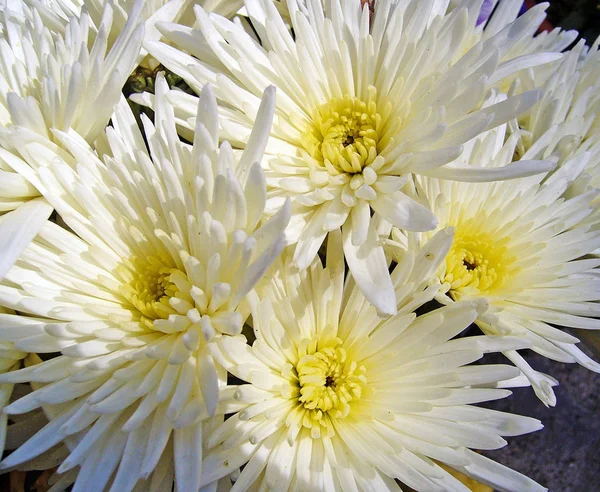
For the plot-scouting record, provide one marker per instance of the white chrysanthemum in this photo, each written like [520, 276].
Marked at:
[50, 80]
[522, 247]
[56, 13]
[564, 122]
[363, 103]
[342, 399]
[168, 244]
[55, 80]
[495, 15]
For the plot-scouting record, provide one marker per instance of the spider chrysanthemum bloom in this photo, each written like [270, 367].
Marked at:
[565, 121]
[56, 15]
[59, 79]
[339, 398]
[363, 102]
[53, 80]
[49, 80]
[168, 244]
[522, 246]
[495, 15]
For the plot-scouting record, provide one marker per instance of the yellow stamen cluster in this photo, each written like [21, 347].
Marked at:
[149, 287]
[477, 262]
[328, 381]
[345, 134]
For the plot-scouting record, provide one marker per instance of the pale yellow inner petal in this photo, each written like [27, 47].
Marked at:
[345, 135]
[478, 262]
[149, 287]
[329, 381]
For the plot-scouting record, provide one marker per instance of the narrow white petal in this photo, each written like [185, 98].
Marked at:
[18, 228]
[369, 269]
[404, 212]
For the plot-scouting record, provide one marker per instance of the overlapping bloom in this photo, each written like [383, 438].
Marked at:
[522, 246]
[56, 15]
[564, 122]
[48, 81]
[341, 399]
[390, 116]
[363, 103]
[496, 15]
[167, 246]
[55, 80]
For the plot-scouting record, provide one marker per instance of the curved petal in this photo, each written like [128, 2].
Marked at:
[479, 174]
[404, 212]
[369, 268]
[18, 228]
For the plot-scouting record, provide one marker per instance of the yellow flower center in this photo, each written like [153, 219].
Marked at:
[346, 134]
[477, 262]
[149, 287]
[329, 382]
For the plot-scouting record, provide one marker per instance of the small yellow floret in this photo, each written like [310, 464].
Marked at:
[328, 382]
[149, 287]
[477, 262]
[345, 134]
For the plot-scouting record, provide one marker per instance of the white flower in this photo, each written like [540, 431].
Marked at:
[564, 122]
[55, 14]
[55, 80]
[362, 104]
[50, 80]
[522, 246]
[504, 13]
[47, 80]
[341, 399]
[167, 246]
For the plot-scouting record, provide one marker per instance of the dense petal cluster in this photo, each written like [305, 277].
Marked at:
[168, 244]
[49, 80]
[522, 246]
[564, 122]
[56, 15]
[365, 100]
[53, 80]
[341, 399]
[273, 271]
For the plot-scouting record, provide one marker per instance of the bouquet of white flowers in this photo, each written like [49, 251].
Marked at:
[242, 241]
